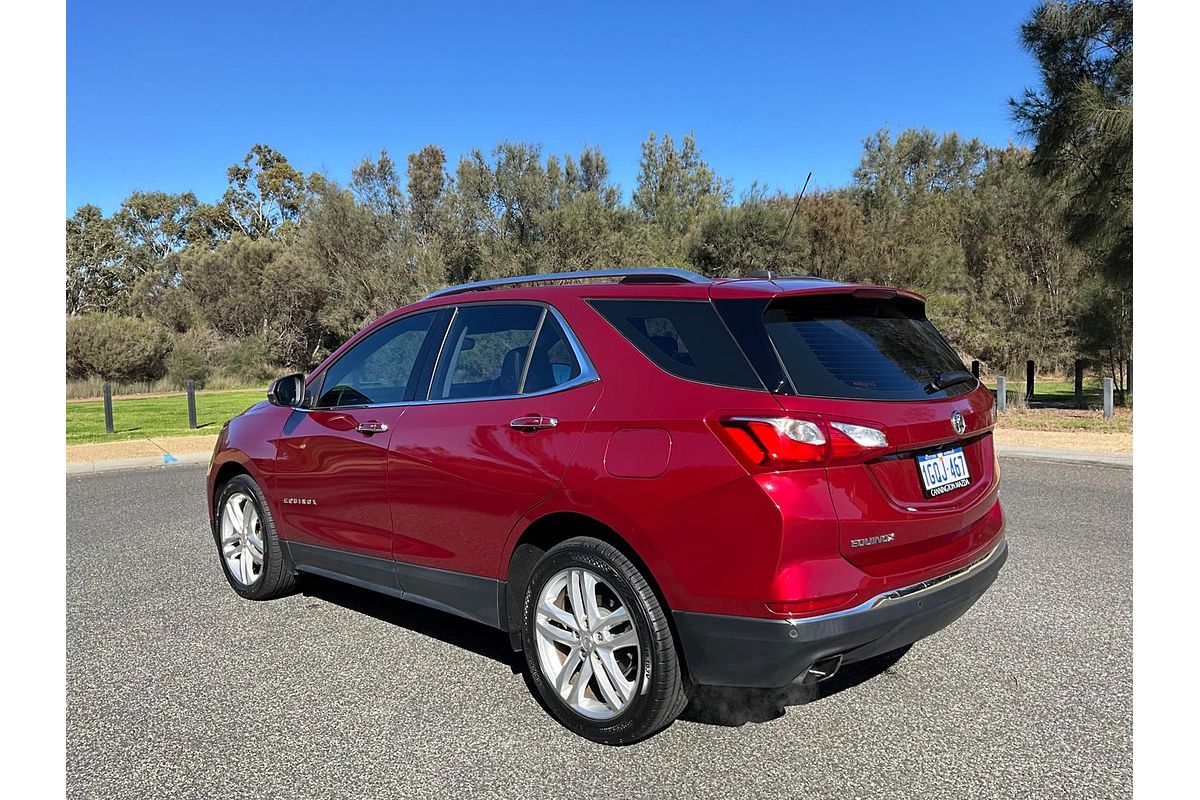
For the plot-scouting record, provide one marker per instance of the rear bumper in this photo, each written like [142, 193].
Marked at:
[743, 651]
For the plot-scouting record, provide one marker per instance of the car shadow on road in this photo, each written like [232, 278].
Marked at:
[729, 707]
[453, 630]
[708, 705]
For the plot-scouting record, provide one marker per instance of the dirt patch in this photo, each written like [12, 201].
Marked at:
[1088, 441]
[140, 448]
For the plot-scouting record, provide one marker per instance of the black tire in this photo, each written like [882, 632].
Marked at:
[277, 577]
[659, 694]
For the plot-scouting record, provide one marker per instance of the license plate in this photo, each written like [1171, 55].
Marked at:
[943, 472]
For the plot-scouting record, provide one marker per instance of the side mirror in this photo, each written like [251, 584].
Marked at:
[287, 391]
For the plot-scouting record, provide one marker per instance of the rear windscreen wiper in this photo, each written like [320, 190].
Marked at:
[945, 380]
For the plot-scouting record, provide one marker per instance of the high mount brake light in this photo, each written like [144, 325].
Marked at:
[771, 443]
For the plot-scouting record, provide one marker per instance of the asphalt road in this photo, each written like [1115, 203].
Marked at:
[178, 688]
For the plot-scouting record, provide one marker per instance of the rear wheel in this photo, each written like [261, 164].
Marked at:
[247, 543]
[599, 646]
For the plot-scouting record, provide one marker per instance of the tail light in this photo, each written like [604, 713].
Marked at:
[772, 443]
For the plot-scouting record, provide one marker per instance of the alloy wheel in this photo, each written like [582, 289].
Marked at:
[587, 643]
[242, 538]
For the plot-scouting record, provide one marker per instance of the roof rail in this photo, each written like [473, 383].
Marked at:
[632, 275]
[772, 275]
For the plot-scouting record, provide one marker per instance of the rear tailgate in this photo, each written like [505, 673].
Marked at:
[886, 524]
[868, 356]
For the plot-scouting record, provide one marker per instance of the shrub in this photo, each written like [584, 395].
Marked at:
[248, 360]
[116, 348]
[186, 364]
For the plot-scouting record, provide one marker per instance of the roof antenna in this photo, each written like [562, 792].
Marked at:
[769, 273]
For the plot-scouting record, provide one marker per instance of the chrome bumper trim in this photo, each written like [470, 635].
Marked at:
[939, 582]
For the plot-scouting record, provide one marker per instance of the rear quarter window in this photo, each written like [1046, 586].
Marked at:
[684, 337]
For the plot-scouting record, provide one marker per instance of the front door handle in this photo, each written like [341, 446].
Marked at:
[371, 426]
[532, 423]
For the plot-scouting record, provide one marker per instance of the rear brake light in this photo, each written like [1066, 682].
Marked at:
[772, 443]
[778, 440]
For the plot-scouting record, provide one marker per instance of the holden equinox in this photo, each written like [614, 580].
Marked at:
[649, 479]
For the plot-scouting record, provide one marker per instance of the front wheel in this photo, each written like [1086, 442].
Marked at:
[248, 544]
[599, 646]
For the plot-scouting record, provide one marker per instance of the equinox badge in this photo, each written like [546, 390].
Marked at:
[870, 540]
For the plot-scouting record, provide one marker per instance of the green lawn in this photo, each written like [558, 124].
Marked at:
[140, 417]
[1051, 391]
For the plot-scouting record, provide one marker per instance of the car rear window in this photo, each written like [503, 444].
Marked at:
[845, 347]
[684, 337]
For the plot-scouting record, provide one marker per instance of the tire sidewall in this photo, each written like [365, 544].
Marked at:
[628, 725]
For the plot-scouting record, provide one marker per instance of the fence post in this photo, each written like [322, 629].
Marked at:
[108, 423]
[1001, 396]
[191, 389]
[975, 368]
[1108, 398]
[1029, 380]
[1079, 383]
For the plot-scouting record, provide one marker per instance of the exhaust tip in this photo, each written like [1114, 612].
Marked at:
[822, 670]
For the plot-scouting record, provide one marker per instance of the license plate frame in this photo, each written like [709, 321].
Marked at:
[946, 470]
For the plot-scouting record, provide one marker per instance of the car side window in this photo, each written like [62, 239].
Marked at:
[377, 369]
[553, 362]
[487, 353]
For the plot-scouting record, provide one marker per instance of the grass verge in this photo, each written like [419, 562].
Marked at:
[142, 417]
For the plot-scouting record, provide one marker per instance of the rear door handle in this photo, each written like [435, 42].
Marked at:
[371, 426]
[533, 423]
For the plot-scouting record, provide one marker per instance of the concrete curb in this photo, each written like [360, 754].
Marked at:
[1122, 460]
[115, 464]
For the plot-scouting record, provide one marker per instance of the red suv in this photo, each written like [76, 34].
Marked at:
[649, 479]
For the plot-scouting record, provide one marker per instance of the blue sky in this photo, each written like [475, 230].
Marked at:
[166, 95]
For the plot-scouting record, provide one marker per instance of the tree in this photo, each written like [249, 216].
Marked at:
[258, 289]
[676, 186]
[911, 192]
[731, 241]
[1023, 272]
[96, 254]
[265, 194]
[1081, 120]
[376, 185]
[426, 185]
[154, 224]
[368, 263]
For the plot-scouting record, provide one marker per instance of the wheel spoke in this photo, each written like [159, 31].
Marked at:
[250, 520]
[229, 523]
[622, 686]
[244, 567]
[563, 682]
[591, 609]
[558, 615]
[612, 695]
[254, 549]
[237, 514]
[575, 591]
[555, 633]
[609, 621]
[625, 639]
[581, 682]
